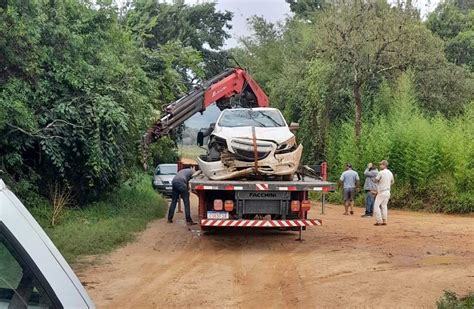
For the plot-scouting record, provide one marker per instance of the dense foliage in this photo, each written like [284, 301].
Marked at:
[80, 82]
[432, 158]
[369, 80]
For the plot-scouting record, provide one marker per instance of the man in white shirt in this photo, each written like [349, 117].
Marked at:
[384, 181]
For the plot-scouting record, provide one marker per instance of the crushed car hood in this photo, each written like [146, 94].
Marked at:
[277, 134]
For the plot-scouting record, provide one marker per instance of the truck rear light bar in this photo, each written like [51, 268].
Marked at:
[233, 188]
[263, 187]
[261, 223]
[290, 188]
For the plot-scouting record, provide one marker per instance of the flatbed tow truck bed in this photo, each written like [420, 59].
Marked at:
[305, 184]
[257, 203]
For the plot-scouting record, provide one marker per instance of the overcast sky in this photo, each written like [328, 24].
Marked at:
[273, 10]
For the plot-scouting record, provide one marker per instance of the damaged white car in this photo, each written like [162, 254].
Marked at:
[250, 142]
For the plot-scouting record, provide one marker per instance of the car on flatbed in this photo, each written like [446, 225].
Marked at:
[251, 141]
[33, 274]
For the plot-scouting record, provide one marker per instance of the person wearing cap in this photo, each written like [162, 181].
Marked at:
[384, 181]
[370, 189]
[350, 181]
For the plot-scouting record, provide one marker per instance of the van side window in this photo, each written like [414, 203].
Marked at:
[19, 287]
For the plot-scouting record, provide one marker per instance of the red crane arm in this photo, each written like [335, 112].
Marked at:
[232, 88]
[235, 84]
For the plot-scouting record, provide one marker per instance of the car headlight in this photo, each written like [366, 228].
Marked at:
[286, 146]
[158, 182]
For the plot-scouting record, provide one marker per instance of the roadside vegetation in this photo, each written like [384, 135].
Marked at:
[451, 300]
[431, 157]
[373, 80]
[103, 225]
[81, 81]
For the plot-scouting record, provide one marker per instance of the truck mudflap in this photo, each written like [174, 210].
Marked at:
[260, 223]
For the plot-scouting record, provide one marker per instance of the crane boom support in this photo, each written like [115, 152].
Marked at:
[232, 88]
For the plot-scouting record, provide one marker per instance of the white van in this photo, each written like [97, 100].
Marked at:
[33, 274]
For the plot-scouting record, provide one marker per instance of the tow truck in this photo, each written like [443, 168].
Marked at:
[242, 203]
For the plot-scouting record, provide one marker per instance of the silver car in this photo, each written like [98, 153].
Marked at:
[33, 274]
[163, 176]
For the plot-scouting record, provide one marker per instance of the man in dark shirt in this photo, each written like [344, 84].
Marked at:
[180, 188]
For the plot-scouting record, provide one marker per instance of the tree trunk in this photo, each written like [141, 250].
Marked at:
[358, 110]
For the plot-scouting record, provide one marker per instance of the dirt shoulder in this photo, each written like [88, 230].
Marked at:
[346, 262]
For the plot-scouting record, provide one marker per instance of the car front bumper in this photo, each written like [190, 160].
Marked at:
[284, 164]
[164, 189]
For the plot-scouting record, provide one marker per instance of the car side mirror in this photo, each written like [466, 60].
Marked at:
[294, 126]
[200, 139]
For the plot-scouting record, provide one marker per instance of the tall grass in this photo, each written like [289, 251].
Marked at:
[432, 158]
[102, 226]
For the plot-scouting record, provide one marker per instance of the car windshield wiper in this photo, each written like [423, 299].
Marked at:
[273, 120]
[255, 120]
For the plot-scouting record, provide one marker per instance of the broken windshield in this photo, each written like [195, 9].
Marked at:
[251, 118]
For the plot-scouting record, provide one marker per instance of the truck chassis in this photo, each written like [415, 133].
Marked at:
[257, 203]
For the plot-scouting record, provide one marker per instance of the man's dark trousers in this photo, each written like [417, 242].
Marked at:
[180, 189]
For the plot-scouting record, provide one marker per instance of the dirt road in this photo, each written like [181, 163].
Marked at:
[346, 262]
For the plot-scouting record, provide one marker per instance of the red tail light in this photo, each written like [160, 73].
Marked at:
[306, 205]
[295, 205]
[229, 205]
[218, 205]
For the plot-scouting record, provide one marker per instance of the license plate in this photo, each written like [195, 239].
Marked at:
[169, 188]
[218, 215]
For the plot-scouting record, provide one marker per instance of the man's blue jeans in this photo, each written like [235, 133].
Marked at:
[369, 202]
[180, 189]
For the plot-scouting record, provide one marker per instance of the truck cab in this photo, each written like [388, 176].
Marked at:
[33, 274]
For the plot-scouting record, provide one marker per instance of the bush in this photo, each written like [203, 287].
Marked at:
[432, 158]
[451, 301]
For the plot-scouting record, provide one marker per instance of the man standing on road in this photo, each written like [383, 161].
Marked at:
[350, 181]
[181, 189]
[370, 189]
[384, 182]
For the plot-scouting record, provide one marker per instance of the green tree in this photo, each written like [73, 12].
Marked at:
[200, 27]
[305, 8]
[372, 39]
[453, 21]
[73, 95]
